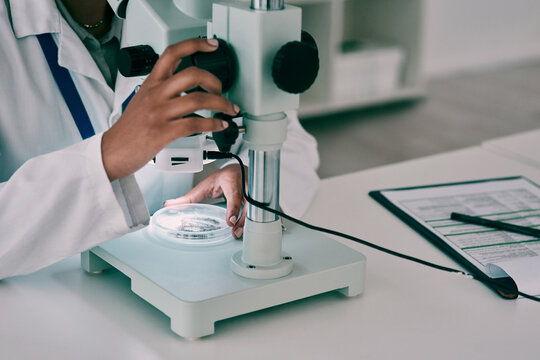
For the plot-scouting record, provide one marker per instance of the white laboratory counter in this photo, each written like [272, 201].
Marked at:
[407, 311]
[524, 147]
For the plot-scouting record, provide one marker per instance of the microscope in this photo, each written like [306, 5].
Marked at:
[264, 61]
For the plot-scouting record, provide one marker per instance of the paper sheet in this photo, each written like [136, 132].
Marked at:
[515, 201]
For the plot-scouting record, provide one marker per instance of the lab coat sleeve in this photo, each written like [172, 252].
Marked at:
[62, 203]
[298, 171]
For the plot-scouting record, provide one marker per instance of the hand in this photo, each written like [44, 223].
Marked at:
[155, 116]
[228, 182]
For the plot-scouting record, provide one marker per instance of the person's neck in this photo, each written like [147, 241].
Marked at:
[91, 12]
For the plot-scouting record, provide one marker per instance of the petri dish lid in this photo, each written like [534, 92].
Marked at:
[191, 224]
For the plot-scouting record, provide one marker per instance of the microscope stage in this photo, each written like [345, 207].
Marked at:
[196, 287]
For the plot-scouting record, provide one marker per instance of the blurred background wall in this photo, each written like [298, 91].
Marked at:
[470, 71]
[475, 34]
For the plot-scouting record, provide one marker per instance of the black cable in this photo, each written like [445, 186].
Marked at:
[487, 281]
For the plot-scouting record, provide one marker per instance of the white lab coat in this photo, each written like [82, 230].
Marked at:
[55, 197]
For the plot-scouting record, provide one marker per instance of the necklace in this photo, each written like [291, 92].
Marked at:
[94, 26]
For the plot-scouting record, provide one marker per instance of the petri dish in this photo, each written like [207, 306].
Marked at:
[191, 224]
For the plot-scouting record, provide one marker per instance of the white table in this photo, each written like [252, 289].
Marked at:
[407, 312]
[524, 147]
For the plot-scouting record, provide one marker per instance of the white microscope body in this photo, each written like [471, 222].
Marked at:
[197, 288]
[256, 32]
[256, 37]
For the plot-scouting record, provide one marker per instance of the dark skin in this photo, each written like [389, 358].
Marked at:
[156, 116]
[91, 12]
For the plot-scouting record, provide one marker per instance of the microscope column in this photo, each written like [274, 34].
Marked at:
[261, 257]
[265, 135]
[263, 183]
[256, 32]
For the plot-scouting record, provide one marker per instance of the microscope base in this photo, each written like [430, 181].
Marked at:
[196, 287]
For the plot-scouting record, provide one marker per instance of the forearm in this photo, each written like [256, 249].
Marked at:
[61, 203]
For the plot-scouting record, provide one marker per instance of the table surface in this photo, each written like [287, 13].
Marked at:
[407, 311]
[523, 147]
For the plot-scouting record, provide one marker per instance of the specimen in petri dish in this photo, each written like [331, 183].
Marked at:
[191, 224]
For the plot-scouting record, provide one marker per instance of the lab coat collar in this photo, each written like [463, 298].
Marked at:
[30, 17]
[73, 55]
[123, 88]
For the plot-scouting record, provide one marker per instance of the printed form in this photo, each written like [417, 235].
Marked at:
[496, 253]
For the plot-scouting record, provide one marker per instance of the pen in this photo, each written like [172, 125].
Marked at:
[495, 224]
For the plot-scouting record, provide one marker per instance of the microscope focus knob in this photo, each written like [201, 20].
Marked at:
[136, 60]
[296, 65]
[140, 60]
[220, 62]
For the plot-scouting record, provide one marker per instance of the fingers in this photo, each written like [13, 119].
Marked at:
[189, 79]
[234, 216]
[234, 203]
[195, 195]
[180, 126]
[171, 57]
[232, 190]
[193, 125]
[226, 182]
[238, 228]
[198, 100]
[182, 200]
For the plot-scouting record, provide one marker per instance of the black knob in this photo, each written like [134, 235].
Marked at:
[139, 60]
[296, 65]
[221, 63]
[225, 139]
[136, 60]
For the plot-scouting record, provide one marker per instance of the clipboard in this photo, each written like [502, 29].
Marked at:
[505, 286]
